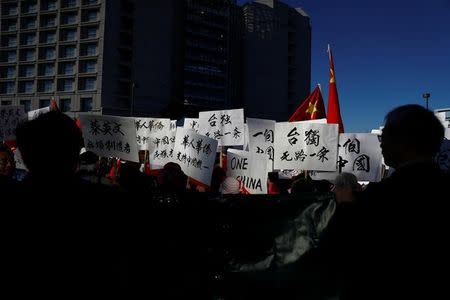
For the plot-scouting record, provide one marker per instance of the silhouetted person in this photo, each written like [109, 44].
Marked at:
[50, 146]
[64, 230]
[393, 237]
[7, 167]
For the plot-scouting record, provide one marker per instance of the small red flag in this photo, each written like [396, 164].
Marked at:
[311, 108]
[53, 105]
[334, 112]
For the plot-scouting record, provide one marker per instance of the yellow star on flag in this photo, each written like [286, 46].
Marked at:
[311, 108]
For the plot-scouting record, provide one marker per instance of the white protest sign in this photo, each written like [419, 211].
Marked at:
[246, 138]
[306, 146]
[443, 156]
[191, 123]
[10, 117]
[261, 135]
[149, 130]
[19, 161]
[164, 153]
[249, 169]
[33, 114]
[225, 126]
[110, 136]
[447, 133]
[360, 154]
[196, 154]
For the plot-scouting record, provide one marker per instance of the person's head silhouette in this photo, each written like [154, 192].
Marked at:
[50, 145]
[411, 133]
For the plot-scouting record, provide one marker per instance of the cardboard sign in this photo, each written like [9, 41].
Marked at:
[191, 123]
[249, 169]
[196, 154]
[305, 146]
[225, 126]
[262, 137]
[360, 154]
[110, 136]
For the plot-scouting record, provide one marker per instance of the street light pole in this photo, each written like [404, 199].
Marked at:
[426, 96]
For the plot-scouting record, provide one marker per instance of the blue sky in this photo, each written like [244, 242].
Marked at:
[386, 54]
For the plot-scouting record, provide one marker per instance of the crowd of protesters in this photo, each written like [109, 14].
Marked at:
[387, 237]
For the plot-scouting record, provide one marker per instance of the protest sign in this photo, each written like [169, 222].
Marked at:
[261, 139]
[33, 114]
[225, 126]
[249, 169]
[191, 123]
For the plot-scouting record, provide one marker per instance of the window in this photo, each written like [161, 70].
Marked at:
[65, 85]
[26, 105]
[67, 51]
[28, 39]
[90, 15]
[9, 41]
[66, 68]
[26, 71]
[9, 9]
[6, 102]
[65, 105]
[68, 35]
[27, 55]
[88, 49]
[44, 103]
[89, 2]
[9, 25]
[87, 83]
[68, 3]
[47, 53]
[7, 87]
[45, 86]
[9, 56]
[88, 66]
[69, 18]
[88, 32]
[7, 72]
[29, 23]
[86, 104]
[29, 7]
[46, 70]
[26, 87]
[48, 21]
[48, 37]
[48, 4]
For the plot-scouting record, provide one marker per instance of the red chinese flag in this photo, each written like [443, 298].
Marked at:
[311, 108]
[334, 112]
[53, 105]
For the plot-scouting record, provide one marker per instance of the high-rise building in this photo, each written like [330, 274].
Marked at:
[210, 45]
[277, 59]
[52, 48]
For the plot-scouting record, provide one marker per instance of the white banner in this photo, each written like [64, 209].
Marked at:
[249, 169]
[33, 114]
[191, 123]
[10, 117]
[261, 135]
[110, 136]
[443, 157]
[196, 154]
[164, 152]
[225, 126]
[360, 154]
[149, 130]
[306, 146]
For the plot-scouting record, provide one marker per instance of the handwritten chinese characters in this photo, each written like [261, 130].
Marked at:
[110, 136]
[163, 147]
[191, 123]
[195, 154]
[306, 146]
[10, 117]
[262, 138]
[225, 126]
[149, 129]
